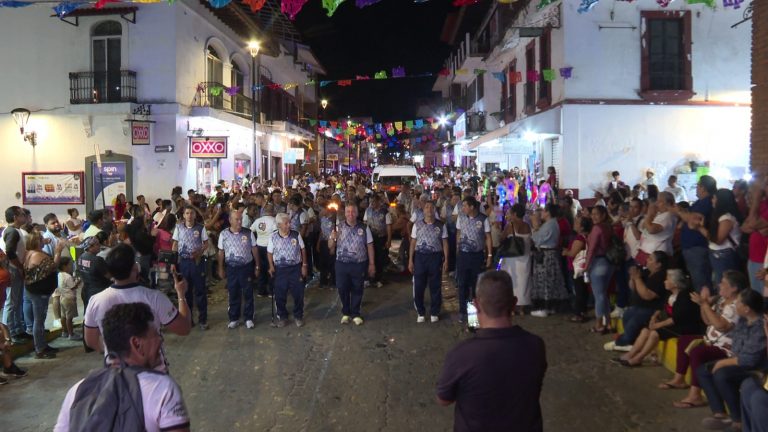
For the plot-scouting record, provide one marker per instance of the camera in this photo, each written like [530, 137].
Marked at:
[472, 322]
[168, 257]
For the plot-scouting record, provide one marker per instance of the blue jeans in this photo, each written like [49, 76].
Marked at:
[29, 315]
[622, 283]
[240, 289]
[754, 416]
[634, 319]
[13, 313]
[754, 282]
[288, 280]
[600, 273]
[39, 310]
[427, 273]
[194, 273]
[469, 265]
[697, 263]
[721, 386]
[349, 281]
[722, 261]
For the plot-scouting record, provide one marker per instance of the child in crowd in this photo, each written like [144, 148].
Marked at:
[68, 285]
[74, 224]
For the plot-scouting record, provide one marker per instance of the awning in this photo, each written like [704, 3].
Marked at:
[495, 134]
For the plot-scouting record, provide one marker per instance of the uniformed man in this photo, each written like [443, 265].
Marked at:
[353, 243]
[92, 269]
[473, 237]
[237, 248]
[428, 252]
[190, 240]
[264, 227]
[327, 261]
[379, 220]
[287, 265]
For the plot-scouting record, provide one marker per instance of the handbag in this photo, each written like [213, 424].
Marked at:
[512, 247]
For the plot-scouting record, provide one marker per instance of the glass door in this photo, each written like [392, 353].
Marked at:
[207, 175]
[106, 61]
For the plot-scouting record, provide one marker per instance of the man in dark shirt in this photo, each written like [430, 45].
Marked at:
[694, 245]
[495, 378]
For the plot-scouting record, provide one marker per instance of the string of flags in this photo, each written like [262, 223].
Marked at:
[291, 8]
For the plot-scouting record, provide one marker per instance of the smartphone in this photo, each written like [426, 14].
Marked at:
[472, 322]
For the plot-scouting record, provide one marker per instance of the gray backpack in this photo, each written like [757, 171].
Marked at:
[109, 399]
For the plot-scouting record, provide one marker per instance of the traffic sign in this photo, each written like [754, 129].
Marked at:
[164, 149]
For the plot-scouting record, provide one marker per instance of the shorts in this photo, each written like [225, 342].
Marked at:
[68, 307]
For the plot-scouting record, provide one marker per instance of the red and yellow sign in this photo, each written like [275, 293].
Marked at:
[140, 133]
[208, 147]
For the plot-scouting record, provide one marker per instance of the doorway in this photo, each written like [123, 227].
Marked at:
[207, 175]
[106, 60]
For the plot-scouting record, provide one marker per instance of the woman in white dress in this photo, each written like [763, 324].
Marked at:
[519, 268]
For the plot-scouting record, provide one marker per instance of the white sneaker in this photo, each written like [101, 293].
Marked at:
[249, 324]
[357, 320]
[366, 284]
[233, 324]
[617, 312]
[608, 346]
[622, 348]
[420, 319]
[379, 284]
[540, 313]
[434, 318]
[56, 323]
[345, 319]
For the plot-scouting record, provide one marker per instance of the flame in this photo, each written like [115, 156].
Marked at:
[333, 206]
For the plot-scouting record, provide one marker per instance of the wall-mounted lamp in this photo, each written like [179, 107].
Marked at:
[324, 103]
[21, 117]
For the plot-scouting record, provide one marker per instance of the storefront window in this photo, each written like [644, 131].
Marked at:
[207, 175]
[242, 168]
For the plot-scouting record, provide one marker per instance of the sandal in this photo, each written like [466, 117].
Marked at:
[683, 404]
[599, 330]
[669, 386]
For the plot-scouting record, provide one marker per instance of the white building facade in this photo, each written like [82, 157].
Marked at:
[646, 87]
[177, 66]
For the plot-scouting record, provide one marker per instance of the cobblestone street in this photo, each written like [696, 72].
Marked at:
[377, 377]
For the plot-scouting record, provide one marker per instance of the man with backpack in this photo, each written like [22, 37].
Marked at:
[128, 394]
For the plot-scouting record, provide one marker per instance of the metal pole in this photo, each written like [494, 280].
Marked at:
[325, 154]
[103, 192]
[257, 99]
[256, 146]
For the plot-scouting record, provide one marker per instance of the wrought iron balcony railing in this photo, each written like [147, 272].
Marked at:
[216, 95]
[102, 87]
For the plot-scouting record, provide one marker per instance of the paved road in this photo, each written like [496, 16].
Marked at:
[377, 377]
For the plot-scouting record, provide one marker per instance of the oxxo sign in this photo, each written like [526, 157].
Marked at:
[140, 133]
[208, 147]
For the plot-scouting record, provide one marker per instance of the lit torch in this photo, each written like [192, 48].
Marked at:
[334, 208]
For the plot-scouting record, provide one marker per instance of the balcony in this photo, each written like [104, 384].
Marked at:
[215, 95]
[102, 87]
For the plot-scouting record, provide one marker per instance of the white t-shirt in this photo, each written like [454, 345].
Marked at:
[67, 285]
[734, 237]
[264, 227]
[662, 240]
[678, 192]
[162, 402]
[162, 308]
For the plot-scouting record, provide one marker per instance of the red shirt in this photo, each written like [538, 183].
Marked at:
[758, 243]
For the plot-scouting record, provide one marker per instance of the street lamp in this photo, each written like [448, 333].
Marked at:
[254, 46]
[324, 104]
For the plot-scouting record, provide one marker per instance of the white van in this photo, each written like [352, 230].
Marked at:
[391, 178]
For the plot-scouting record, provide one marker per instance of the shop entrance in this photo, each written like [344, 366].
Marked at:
[207, 175]
[242, 167]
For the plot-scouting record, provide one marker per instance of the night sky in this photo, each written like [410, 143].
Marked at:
[382, 36]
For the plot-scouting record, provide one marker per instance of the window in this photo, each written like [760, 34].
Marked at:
[530, 86]
[106, 61]
[472, 93]
[510, 111]
[545, 62]
[215, 74]
[666, 56]
[238, 79]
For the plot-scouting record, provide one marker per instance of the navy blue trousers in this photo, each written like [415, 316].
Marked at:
[349, 281]
[469, 265]
[240, 289]
[194, 273]
[288, 279]
[427, 272]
